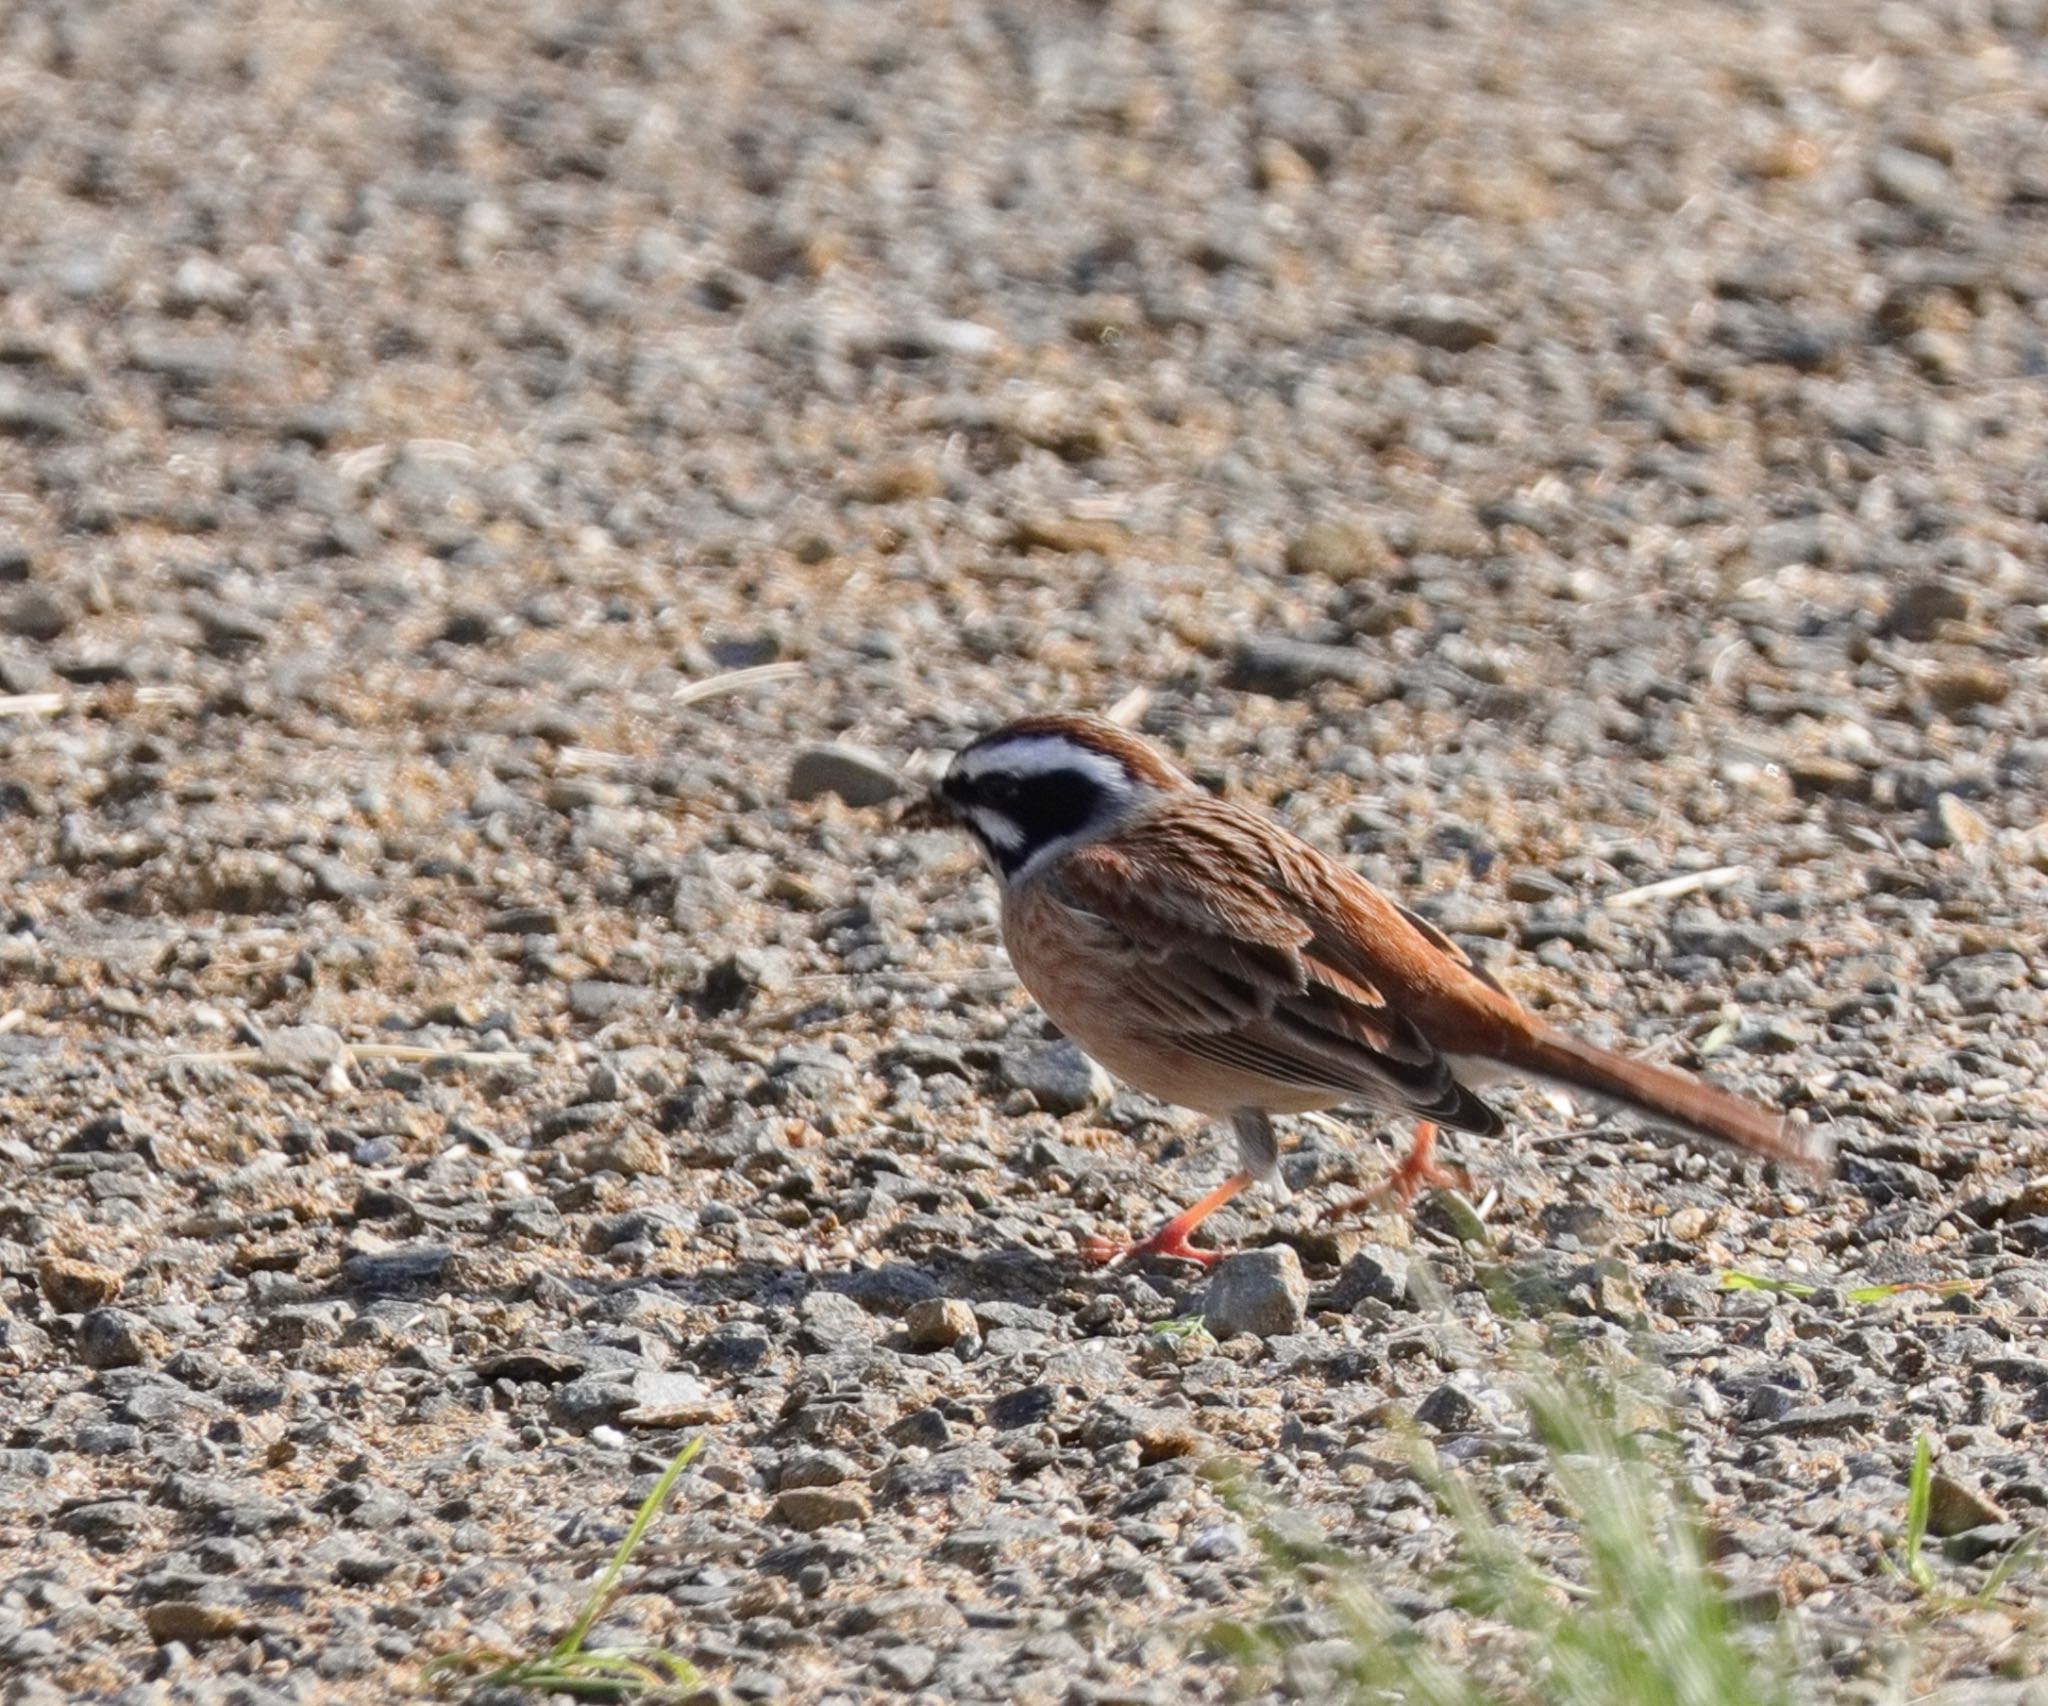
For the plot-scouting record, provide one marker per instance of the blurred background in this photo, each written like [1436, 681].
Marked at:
[1634, 409]
[1539, 447]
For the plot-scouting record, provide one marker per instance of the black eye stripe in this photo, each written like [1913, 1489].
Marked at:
[1044, 806]
[1058, 802]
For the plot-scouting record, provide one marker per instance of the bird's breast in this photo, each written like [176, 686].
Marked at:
[1074, 965]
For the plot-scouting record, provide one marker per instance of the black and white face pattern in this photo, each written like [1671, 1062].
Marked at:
[1028, 798]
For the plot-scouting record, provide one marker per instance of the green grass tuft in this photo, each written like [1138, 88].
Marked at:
[569, 1667]
[1641, 1621]
[1914, 1567]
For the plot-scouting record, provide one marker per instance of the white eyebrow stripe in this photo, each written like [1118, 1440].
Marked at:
[1041, 755]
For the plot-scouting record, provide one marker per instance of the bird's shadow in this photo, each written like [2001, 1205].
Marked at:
[885, 1290]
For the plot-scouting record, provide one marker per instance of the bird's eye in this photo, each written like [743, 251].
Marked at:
[999, 789]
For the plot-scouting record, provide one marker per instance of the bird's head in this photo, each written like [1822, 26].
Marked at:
[1042, 786]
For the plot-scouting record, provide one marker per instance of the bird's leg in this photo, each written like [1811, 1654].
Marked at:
[1419, 1168]
[1172, 1238]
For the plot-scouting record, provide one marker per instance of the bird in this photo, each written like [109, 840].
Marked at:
[1205, 954]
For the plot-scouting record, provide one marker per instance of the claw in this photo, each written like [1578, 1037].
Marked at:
[1172, 1238]
[1419, 1170]
[1169, 1240]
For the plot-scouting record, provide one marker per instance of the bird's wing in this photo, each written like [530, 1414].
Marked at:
[1225, 960]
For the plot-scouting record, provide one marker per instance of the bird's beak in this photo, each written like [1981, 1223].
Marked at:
[933, 811]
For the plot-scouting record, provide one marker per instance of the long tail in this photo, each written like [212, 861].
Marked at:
[1674, 1100]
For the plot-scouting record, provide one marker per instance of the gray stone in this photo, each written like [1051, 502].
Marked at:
[817, 1469]
[1801, 539]
[927, 1428]
[736, 980]
[1444, 322]
[1706, 933]
[1094, 1365]
[1059, 1077]
[650, 1398]
[1284, 668]
[858, 777]
[30, 414]
[117, 1338]
[106, 1522]
[672, 1400]
[1975, 1544]
[1914, 180]
[39, 613]
[1842, 1416]
[738, 1347]
[907, 1667]
[598, 1001]
[833, 1321]
[537, 1364]
[1256, 1291]
[1025, 1407]
[1218, 1541]
[1375, 1271]
[412, 1267]
[997, 1538]
[303, 1051]
[1449, 1409]
[186, 361]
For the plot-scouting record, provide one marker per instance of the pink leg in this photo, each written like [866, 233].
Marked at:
[1172, 1238]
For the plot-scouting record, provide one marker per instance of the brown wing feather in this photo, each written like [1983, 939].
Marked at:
[1255, 974]
[1444, 945]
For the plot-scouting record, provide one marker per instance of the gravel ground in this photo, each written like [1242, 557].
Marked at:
[1537, 450]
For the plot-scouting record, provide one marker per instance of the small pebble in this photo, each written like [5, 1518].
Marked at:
[72, 1287]
[809, 1508]
[1286, 668]
[938, 1323]
[1256, 1291]
[118, 1338]
[858, 777]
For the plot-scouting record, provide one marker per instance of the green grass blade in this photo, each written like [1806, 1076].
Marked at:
[650, 1507]
[2018, 1558]
[596, 1673]
[1733, 1279]
[1919, 1502]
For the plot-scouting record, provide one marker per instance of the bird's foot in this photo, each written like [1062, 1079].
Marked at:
[1170, 1240]
[1419, 1170]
